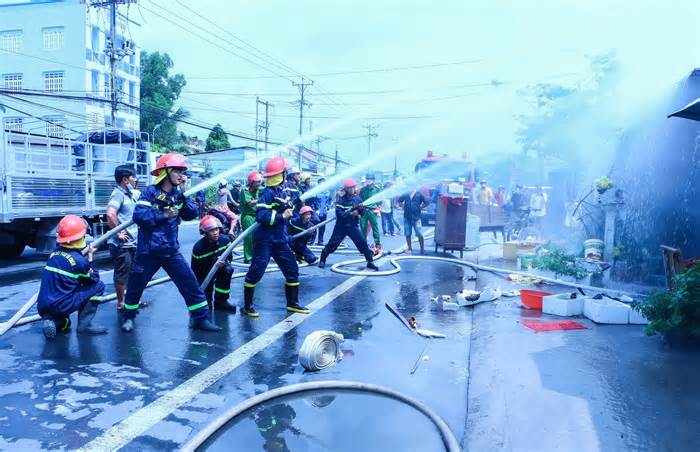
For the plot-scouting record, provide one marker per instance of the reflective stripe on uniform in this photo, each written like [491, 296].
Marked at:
[296, 227]
[95, 298]
[343, 207]
[222, 290]
[202, 256]
[65, 273]
[272, 218]
[143, 203]
[292, 284]
[131, 306]
[197, 306]
[66, 324]
[247, 284]
[264, 206]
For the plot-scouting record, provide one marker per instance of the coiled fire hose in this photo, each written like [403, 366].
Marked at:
[321, 349]
[448, 439]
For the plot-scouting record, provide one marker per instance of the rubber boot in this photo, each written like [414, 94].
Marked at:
[248, 308]
[322, 261]
[85, 316]
[49, 328]
[292, 294]
[204, 324]
[128, 325]
[371, 266]
[224, 304]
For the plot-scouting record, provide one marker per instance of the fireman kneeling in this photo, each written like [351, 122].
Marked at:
[273, 210]
[205, 255]
[69, 283]
[300, 245]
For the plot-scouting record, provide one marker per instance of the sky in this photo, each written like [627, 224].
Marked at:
[477, 58]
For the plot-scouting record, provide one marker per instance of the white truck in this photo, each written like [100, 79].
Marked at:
[43, 178]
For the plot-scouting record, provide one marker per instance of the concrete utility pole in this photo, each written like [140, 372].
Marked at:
[302, 103]
[115, 54]
[319, 139]
[370, 134]
[265, 125]
[336, 159]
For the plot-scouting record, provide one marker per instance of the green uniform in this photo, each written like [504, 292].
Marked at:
[247, 219]
[369, 217]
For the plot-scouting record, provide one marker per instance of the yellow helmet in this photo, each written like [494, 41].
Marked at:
[305, 176]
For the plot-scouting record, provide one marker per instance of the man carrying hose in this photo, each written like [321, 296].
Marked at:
[69, 283]
[157, 214]
[370, 213]
[273, 210]
[300, 245]
[249, 199]
[205, 255]
[348, 209]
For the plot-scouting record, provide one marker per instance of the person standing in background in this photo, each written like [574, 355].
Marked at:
[500, 196]
[485, 195]
[538, 205]
[385, 210]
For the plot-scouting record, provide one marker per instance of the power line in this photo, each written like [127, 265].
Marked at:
[349, 72]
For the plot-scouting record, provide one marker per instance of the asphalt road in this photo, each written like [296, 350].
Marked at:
[498, 385]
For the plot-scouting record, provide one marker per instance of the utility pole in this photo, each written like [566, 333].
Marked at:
[115, 54]
[302, 103]
[396, 172]
[370, 134]
[265, 125]
[336, 159]
[319, 139]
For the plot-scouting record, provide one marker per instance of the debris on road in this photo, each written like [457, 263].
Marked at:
[560, 325]
[429, 334]
[321, 349]
[524, 280]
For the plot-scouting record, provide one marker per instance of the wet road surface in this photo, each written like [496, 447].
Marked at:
[605, 388]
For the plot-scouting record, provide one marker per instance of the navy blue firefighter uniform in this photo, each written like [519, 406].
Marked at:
[69, 283]
[300, 245]
[347, 225]
[205, 254]
[158, 247]
[270, 240]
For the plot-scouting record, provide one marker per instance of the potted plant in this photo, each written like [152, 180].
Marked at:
[560, 263]
[675, 313]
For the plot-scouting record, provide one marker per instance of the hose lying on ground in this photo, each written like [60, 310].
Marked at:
[448, 439]
[320, 349]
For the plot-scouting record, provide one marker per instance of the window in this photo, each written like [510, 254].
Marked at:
[95, 87]
[55, 126]
[11, 40]
[131, 124]
[12, 81]
[95, 120]
[132, 93]
[53, 81]
[13, 124]
[95, 38]
[53, 38]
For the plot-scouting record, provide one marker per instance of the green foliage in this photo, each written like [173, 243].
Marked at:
[677, 309]
[159, 92]
[603, 184]
[559, 262]
[217, 139]
[211, 194]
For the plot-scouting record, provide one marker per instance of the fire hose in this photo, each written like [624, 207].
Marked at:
[448, 439]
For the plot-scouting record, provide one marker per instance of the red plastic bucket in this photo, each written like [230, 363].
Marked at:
[532, 299]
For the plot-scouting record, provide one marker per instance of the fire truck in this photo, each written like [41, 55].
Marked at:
[462, 171]
[43, 178]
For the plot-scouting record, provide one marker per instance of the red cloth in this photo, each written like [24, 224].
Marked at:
[561, 325]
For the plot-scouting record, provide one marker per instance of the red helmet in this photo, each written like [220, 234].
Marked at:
[209, 222]
[305, 209]
[70, 229]
[275, 166]
[254, 176]
[170, 160]
[349, 183]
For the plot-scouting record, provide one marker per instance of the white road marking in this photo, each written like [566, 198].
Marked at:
[140, 421]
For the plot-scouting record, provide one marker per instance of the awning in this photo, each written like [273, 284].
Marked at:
[690, 111]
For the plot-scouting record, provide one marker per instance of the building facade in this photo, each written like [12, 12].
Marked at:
[59, 48]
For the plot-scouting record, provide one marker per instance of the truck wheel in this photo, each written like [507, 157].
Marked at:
[11, 251]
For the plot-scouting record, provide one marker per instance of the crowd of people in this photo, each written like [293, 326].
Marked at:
[274, 200]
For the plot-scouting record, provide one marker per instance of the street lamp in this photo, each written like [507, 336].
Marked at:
[153, 134]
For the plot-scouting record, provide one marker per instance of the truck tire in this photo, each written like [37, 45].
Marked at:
[11, 251]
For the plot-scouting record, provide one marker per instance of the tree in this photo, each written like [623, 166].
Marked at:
[217, 139]
[159, 92]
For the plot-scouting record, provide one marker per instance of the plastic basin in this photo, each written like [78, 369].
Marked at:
[532, 299]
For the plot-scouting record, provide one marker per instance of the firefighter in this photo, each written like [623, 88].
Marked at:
[69, 283]
[300, 246]
[348, 209]
[370, 213]
[249, 199]
[205, 255]
[157, 214]
[273, 210]
[292, 188]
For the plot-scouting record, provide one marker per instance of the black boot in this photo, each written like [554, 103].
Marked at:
[292, 294]
[322, 261]
[248, 308]
[371, 266]
[204, 324]
[223, 303]
[85, 316]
